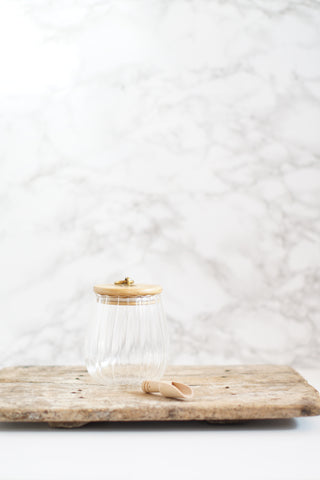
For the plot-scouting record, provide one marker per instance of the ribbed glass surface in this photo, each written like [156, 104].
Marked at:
[127, 340]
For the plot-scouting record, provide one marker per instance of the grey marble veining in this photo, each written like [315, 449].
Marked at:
[173, 141]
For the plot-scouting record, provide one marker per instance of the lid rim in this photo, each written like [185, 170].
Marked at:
[137, 290]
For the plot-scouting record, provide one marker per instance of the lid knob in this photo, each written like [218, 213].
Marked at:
[127, 281]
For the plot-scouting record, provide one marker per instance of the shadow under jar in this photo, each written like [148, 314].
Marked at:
[127, 340]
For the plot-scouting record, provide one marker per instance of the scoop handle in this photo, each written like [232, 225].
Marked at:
[150, 386]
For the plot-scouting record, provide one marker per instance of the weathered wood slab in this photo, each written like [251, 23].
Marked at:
[67, 396]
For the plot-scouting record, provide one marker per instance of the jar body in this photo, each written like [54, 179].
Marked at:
[127, 340]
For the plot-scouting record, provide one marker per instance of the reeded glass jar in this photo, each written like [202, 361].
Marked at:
[127, 341]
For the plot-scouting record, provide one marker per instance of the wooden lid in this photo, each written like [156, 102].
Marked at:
[127, 288]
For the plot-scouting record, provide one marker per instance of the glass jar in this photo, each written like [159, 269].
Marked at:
[127, 340]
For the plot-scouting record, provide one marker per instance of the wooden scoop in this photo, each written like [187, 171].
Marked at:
[168, 389]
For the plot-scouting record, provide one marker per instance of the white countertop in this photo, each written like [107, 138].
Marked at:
[270, 450]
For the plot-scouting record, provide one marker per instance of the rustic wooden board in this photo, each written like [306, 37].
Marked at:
[67, 396]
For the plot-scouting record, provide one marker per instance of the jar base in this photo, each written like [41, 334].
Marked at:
[127, 375]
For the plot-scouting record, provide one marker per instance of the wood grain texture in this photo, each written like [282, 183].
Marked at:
[67, 396]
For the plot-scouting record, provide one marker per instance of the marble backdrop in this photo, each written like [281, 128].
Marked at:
[174, 141]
